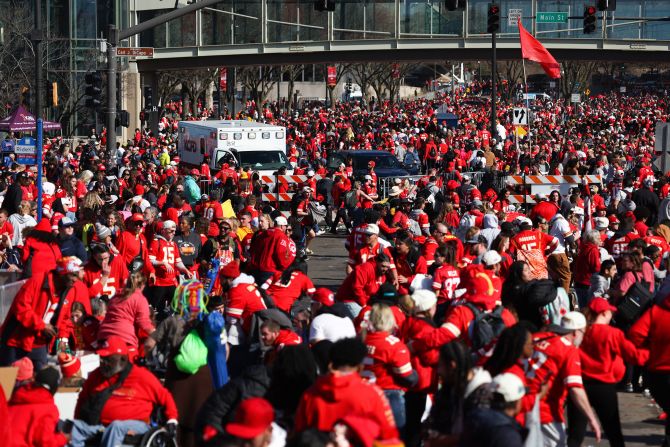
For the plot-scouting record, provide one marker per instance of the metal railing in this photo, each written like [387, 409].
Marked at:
[7, 293]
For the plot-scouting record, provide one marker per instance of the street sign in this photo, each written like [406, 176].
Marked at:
[622, 89]
[552, 17]
[135, 51]
[25, 151]
[513, 16]
[575, 97]
[552, 84]
[520, 117]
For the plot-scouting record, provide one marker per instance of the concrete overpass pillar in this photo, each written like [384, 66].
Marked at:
[132, 99]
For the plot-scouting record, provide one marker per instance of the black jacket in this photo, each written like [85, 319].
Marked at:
[491, 428]
[219, 408]
[13, 198]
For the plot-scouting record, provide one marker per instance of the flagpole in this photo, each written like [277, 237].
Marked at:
[525, 84]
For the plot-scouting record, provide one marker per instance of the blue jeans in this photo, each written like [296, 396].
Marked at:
[112, 435]
[396, 400]
[10, 354]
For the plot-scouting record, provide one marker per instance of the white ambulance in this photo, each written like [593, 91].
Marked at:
[238, 143]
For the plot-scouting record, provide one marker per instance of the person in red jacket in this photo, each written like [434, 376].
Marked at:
[408, 261]
[132, 391]
[272, 251]
[483, 294]
[652, 331]
[38, 314]
[602, 354]
[243, 300]
[33, 414]
[40, 249]
[132, 244]
[362, 283]
[342, 392]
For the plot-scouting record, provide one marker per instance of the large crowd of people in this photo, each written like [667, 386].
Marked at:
[464, 318]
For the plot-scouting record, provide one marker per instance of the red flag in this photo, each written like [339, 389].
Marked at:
[533, 50]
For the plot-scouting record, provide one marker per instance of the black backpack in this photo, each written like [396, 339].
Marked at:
[485, 327]
[350, 199]
[637, 300]
[433, 152]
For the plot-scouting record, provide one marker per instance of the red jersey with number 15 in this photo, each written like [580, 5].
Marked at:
[388, 358]
[163, 250]
[115, 282]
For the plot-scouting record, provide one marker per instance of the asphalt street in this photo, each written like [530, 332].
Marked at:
[639, 415]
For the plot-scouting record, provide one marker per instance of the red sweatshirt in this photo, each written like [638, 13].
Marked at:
[135, 399]
[360, 284]
[652, 331]
[424, 361]
[603, 352]
[33, 416]
[336, 395]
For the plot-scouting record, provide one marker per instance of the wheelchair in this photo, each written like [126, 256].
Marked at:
[156, 436]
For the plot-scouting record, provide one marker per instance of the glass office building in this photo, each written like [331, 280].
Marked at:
[239, 22]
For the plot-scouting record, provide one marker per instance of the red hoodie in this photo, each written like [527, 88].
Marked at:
[424, 361]
[337, 395]
[33, 416]
[652, 331]
[604, 351]
[134, 399]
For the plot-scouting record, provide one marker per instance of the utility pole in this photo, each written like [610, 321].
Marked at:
[113, 38]
[494, 92]
[110, 113]
[37, 38]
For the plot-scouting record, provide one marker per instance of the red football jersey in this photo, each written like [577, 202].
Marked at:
[555, 360]
[284, 295]
[445, 282]
[116, 281]
[164, 250]
[388, 358]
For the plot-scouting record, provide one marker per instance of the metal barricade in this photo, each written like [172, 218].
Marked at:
[385, 184]
[7, 293]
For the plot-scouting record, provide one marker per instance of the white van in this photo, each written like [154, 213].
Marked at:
[236, 142]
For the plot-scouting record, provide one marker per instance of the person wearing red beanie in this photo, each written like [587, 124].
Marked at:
[41, 250]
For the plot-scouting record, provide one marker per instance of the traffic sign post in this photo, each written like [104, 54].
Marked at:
[662, 147]
[25, 151]
[520, 117]
[551, 17]
[38, 154]
[575, 98]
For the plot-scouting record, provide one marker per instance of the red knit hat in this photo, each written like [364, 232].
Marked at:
[44, 225]
[25, 369]
[231, 270]
[69, 364]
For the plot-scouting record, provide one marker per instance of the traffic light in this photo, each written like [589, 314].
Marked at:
[122, 118]
[453, 5]
[93, 90]
[324, 5]
[589, 19]
[52, 92]
[148, 97]
[493, 19]
[607, 5]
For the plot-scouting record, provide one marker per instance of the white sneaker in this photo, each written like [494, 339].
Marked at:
[308, 251]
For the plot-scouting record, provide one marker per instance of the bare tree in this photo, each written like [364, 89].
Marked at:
[393, 80]
[576, 76]
[291, 73]
[366, 76]
[258, 81]
[508, 73]
[194, 84]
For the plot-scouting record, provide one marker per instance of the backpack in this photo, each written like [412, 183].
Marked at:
[414, 227]
[637, 300]
[485, 327]
[433, 152]
[350, 199]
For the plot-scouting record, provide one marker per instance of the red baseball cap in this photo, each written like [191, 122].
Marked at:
[324, 296]
[113, 345]
[599, 304]
[252, 418]
[194, 171]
